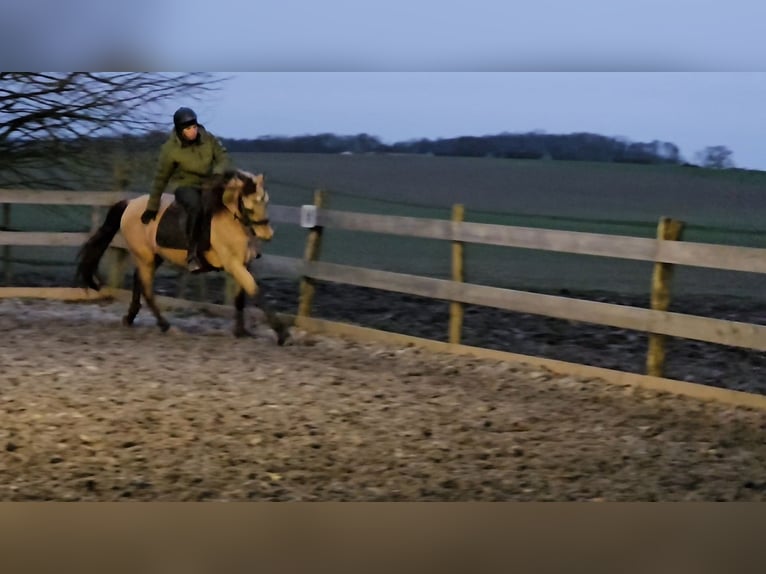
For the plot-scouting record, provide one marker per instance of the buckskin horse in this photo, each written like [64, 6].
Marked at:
[236, 203]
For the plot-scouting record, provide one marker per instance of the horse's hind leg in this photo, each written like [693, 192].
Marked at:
[135, 302]
[145, 272]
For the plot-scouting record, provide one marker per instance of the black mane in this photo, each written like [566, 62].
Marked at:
[213, 189]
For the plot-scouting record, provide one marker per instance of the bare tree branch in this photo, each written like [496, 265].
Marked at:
[47, 120]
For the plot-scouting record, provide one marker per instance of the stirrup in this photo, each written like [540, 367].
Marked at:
[193, 264]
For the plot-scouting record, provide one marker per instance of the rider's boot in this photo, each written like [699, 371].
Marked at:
[193, 263]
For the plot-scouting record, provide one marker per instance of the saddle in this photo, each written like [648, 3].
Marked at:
[171, 232]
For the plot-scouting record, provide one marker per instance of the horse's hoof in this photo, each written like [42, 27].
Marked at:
[282, 337]
[240, 333]
[164, 327]
[127, 321]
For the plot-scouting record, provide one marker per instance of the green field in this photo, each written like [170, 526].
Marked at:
[725, 207]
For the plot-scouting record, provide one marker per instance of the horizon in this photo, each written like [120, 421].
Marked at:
[683, 159]
[690, 110]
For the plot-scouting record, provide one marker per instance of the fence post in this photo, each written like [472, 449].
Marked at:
[313, 245]
[117, 268]
[7, 269]
[195, 284]
[182, 282]
[202, 290]
[667, 230]
[456, 308]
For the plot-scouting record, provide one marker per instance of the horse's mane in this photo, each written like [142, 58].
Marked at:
[213, 189]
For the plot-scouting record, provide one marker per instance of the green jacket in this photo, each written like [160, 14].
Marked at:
[187, 164]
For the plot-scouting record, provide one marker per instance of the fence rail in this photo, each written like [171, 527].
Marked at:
[719, 331]
[53, 197]
[655, 321]
[723, 257]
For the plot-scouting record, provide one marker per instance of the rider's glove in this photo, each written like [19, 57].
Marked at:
[148, 215]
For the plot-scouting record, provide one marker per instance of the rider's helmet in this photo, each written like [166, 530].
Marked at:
[183, 118]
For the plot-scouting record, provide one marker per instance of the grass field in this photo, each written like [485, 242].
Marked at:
[727, 207]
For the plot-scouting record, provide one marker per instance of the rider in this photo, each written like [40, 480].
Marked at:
[189, 155]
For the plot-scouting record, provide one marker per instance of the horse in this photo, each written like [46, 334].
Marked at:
[236, 203]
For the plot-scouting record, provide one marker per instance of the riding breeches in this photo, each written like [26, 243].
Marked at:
[190, 199]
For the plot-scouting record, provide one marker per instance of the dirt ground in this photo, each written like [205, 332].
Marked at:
[92, 410]
[591, 344]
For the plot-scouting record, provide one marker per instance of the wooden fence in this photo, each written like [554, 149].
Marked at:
[665, 251]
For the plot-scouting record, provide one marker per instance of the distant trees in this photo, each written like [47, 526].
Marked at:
[716, 157]
[533, 145]
[319, 143]
[50, 118]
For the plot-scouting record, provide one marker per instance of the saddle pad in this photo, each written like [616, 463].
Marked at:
[171, 230]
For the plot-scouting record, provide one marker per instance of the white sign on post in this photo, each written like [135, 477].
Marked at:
[308, 215]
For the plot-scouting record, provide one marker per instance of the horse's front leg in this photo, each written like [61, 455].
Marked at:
[241, 275]
[248, 286]
[278, 326]
[239, 315]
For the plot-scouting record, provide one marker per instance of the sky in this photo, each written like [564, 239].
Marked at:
[690, 109]
[477, 35]
[683, 71]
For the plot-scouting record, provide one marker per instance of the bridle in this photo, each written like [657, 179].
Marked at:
[244, 218]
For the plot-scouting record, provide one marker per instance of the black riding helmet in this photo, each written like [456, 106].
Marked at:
[183, 118]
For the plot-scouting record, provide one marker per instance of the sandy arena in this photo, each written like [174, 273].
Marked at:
[92, 410]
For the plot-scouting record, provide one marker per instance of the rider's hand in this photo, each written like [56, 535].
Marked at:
[148, 215]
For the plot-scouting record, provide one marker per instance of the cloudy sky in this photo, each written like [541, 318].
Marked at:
[683, 71]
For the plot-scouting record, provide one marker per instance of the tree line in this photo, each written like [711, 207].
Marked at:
[531, 145]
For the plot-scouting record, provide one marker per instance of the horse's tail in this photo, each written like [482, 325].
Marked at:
[92, 250]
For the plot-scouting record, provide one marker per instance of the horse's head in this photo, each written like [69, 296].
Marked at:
[246, 194]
